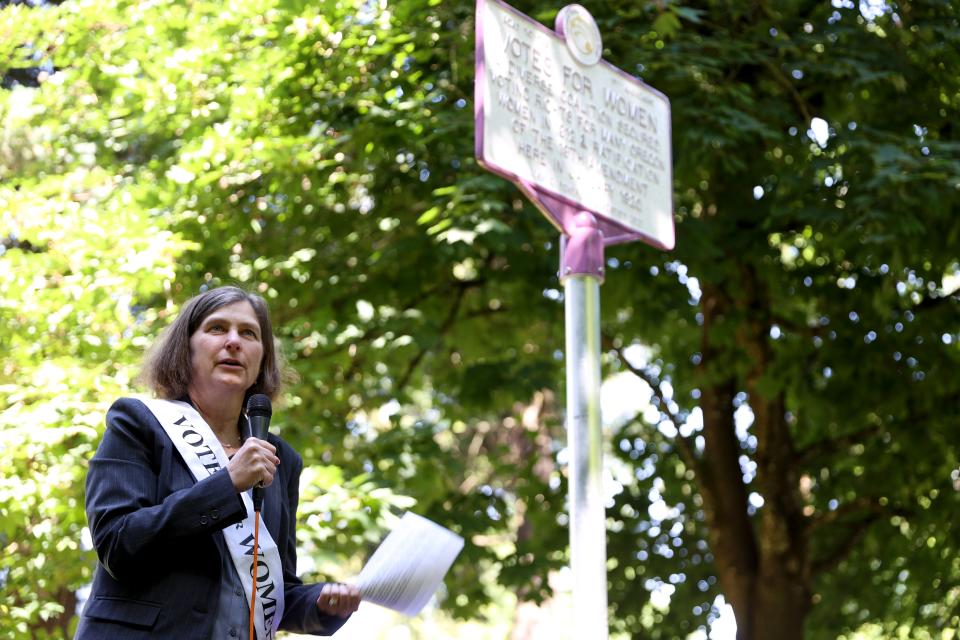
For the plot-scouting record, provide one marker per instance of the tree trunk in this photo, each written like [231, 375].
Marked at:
[762, 562]
[783, 588]
[731, 534]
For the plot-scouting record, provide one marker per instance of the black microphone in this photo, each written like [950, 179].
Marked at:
[258, 413]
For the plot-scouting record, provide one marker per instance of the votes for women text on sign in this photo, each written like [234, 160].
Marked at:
[577, 128]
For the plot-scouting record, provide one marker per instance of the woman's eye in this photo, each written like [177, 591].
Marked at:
[251, 333]
[217, 328]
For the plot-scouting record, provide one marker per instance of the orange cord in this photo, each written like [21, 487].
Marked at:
[253, 592]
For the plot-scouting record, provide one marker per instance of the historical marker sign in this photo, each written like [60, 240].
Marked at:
[573, 131]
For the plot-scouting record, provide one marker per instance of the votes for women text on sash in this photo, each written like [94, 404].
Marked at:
[201, 450]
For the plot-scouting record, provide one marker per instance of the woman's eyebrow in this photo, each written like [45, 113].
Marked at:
[213, 317]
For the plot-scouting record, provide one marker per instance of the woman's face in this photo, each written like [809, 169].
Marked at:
[226, 350]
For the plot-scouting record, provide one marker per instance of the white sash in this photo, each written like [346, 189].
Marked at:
[201, 450]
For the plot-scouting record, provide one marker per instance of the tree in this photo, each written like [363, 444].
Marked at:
[88, 275]
[323, 155]
[73, 261]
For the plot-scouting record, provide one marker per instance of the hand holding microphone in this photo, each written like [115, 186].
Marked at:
[255, 463]
[259, 412]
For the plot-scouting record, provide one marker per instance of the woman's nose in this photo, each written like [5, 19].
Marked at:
[233, 340]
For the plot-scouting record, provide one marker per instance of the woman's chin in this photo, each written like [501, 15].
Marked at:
[231, 383]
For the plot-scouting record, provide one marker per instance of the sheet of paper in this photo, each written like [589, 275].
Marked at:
[409, 565]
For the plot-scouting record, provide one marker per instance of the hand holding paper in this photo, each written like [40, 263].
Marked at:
[409, 565]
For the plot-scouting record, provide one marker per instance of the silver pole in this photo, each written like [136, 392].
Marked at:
[588, 534]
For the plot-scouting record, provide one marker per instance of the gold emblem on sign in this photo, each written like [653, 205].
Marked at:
[581, 34]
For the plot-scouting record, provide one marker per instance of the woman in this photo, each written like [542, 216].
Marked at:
[167, 493]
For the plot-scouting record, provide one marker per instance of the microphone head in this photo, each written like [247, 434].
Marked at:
[259, 405]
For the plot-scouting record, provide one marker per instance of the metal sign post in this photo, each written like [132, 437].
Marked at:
[590, 146]
[581, 268]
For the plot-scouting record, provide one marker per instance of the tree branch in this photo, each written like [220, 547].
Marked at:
[425, 294]
[684, 444]
[12, 242]
[791, 89]
[846, 547]
[831, 445]
[444, 328]
[870, 509]
[869, 505]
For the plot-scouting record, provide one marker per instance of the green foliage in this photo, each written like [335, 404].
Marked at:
[322, 154]
[77, 268]
[839, 254]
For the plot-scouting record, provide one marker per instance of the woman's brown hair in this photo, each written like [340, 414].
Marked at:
[167, 367]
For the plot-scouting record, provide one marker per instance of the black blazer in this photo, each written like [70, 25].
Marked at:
[152, 525]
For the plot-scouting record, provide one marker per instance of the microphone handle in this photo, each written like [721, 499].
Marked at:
[259, 426]
[257, 497]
